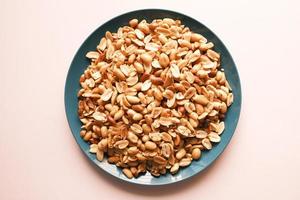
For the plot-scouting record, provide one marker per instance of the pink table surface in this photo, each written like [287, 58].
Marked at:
[39, 159]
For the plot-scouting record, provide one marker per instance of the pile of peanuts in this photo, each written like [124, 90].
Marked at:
[153, 97]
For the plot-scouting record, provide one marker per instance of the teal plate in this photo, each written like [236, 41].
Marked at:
[80, 63]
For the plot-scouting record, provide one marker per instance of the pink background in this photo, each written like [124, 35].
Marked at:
[41, 160]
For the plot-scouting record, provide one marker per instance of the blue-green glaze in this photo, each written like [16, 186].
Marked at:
[80, 63]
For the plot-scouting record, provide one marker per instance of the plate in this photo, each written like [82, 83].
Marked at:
[80, 62]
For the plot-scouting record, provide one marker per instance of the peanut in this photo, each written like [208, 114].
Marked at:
[153, 97]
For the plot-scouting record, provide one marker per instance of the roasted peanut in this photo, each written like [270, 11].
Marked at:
[153, 97]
